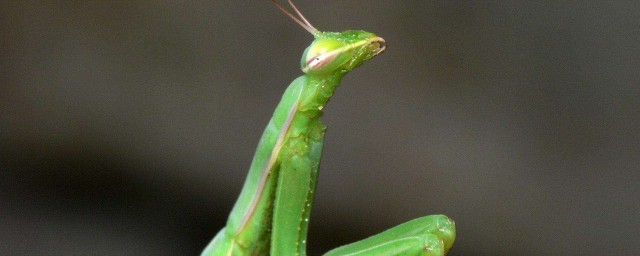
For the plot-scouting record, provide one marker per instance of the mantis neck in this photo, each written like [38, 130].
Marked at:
[317, 92]
[306, 127]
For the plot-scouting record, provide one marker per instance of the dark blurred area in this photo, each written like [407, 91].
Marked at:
[127, 127]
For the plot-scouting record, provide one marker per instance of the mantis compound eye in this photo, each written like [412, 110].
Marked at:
[324, 56]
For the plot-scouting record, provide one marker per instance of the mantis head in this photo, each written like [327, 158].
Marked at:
[332, 52]
[340, 52]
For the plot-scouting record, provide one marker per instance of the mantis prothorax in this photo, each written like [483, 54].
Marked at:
[271, 215]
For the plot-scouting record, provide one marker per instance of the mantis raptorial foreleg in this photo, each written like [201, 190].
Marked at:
[431, 235]
[288, 230]
[271, 215]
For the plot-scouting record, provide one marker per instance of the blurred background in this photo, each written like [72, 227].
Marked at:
[127, 127]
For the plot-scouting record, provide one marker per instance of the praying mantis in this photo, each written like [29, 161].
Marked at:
[271, 216]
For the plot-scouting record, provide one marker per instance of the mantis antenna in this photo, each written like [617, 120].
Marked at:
[304, 22]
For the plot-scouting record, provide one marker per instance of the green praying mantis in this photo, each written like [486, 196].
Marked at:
[271, 216]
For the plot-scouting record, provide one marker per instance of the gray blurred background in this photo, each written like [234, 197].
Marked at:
[127, 127]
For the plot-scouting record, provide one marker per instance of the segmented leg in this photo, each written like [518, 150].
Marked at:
[427, 236]
[298, 176]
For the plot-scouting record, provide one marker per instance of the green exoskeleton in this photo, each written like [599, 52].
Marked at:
[271, 215]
